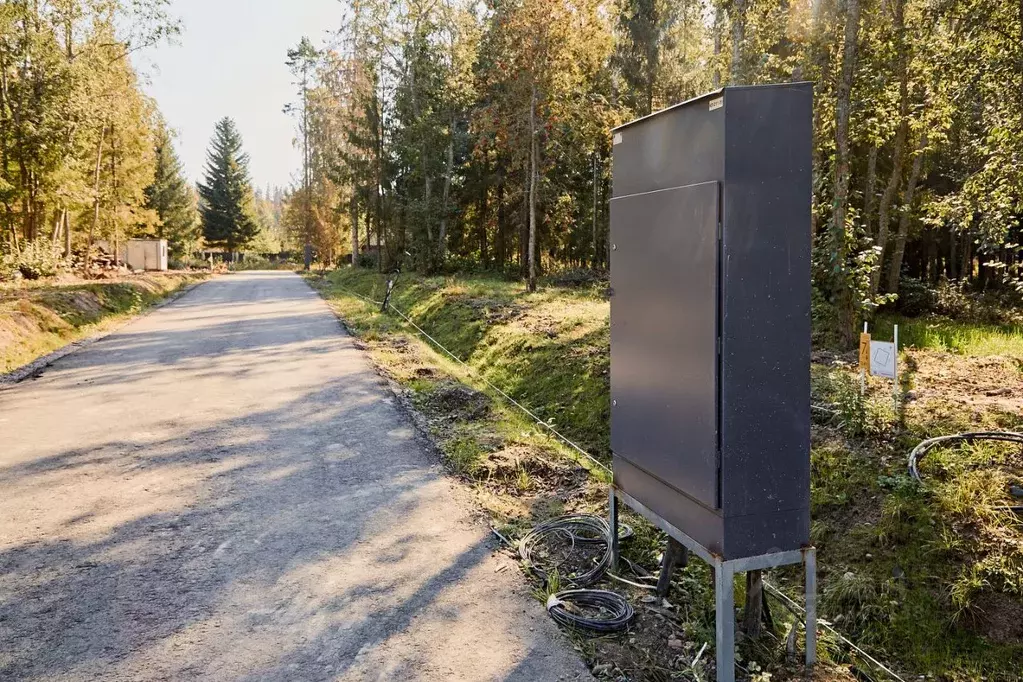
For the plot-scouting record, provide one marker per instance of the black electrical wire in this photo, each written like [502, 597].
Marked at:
[624, 531]
[926, 445]
[572, 526]
[920, 450]
[613, 612]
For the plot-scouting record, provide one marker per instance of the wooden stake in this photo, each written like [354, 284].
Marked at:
[754, 614]
[674, 555]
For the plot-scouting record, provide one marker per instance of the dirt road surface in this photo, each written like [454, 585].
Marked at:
[225, 490]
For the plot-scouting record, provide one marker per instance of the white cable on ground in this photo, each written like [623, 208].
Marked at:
[611, 575]
[507, 397]
[482, 378]
[799, 611]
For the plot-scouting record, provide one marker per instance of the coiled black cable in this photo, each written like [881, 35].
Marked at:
[624, 531]
[926, 445]
[613, 613]
[573, 526]
[920, 450]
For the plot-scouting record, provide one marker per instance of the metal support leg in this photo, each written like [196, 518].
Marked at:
[612, 507]
[810, 562]
[724, 606]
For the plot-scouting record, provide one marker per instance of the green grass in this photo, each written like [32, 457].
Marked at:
[908, 563]
[256, 263]
[900, 572]
[964, 338]
[547, 349]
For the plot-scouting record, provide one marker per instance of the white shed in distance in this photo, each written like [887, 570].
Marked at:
[146, 254]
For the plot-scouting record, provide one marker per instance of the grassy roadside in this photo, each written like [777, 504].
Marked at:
[38, 318]
[547, 349]
[945, 334]
[928, 576]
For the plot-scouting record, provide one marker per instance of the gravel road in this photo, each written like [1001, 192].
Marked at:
[225, 490]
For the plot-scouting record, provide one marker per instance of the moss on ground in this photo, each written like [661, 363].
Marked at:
[42, 317]
[925, 575]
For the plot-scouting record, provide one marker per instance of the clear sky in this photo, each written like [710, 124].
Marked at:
[229, 61]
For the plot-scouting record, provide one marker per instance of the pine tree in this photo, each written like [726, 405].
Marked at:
[228, 215]
[643, 25]
[302, 62]
[171, 198]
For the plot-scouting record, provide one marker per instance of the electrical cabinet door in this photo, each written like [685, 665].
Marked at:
[664, 331]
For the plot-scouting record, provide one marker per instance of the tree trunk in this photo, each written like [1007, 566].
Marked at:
[4, 154]
[953, 256]
[932, 257]
[907, 210]
[502, 244]
[354, 210]
[95, 191]
[484, 211]
[868, 191]
[652, 55]
[379, 180]
[738, 75]
[27, 210]
[308, 218]
[593, 262]
[898, 149]
[846, 309]
[523, 245]
[533, 153]
[403, 228]
[442, 238]
[966, 264]
[67, 233]
[717, 29]
[605, 218]
[58, 223]
[427, 200]
[113, 198]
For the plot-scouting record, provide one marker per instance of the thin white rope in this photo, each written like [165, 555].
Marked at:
[358, 295]
[771, 588]
[482, 378]
[799, 609]
[611, 575]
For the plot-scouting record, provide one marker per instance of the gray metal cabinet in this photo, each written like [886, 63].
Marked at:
[710, 317]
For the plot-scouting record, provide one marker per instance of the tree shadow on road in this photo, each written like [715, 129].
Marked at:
[311, 539]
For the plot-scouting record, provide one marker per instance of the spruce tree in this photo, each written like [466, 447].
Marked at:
[228, 213]
[171, 198]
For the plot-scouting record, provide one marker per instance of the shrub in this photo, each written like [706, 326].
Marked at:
[916, 297]
[9, 267]
[188, 262]
[367, 260]
[823, 320]
[954, 299]
[36, 260]
[859, 416]
[578, 277]
[951, 299]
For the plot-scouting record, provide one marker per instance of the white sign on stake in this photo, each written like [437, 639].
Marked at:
[882, 359]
